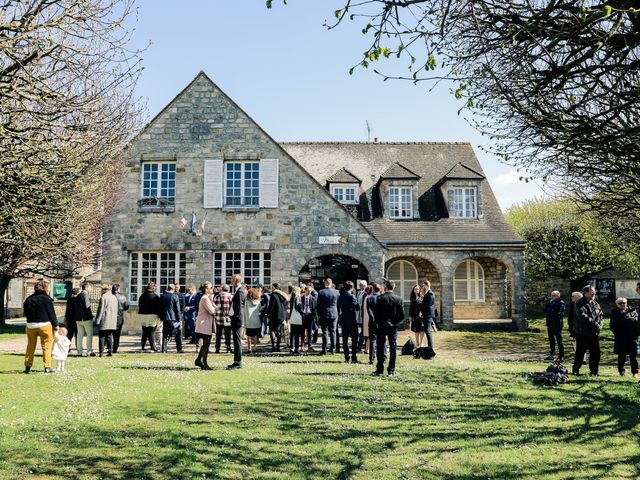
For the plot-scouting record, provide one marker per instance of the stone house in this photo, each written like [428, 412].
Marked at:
[208, 193]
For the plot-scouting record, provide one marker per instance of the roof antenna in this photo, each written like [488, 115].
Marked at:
[368, 131]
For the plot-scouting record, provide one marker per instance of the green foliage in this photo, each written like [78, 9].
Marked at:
[564, 242]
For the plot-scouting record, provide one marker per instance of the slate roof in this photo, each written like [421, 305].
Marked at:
[343, 176]
[398, 171]
[431, 162]
[460, 171]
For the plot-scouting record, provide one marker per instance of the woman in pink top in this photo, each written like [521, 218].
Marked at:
[204, 325]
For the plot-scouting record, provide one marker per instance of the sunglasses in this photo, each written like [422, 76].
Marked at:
[621, 303]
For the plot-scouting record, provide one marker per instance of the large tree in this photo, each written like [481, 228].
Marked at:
[555, 83]
[564, 242]
[66, 110]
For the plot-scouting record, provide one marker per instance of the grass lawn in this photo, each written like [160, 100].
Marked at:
[470, 413]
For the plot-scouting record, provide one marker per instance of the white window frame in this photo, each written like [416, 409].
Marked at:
[397, 202]
[461, 207]
[408, 274]
[223, 267]
[472, 282]
[157, 189]
[138, 280]
[244, 180]
[339, 192]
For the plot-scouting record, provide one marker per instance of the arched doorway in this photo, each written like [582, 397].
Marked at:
[339, 268]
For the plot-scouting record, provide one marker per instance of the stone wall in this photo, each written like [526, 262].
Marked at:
[202, 123]
[501, 265]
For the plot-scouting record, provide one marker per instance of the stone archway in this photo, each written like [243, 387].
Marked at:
[339, 268]
[483, 289]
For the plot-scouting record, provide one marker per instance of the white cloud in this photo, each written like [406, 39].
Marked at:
[511, 177]
[509, 189]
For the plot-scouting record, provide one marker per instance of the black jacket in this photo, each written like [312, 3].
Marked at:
[428, 305]
[237, 304]
[123, 305]
[586, 322]
[555, 313]
[347, 308]
[39, 308]
[149, 303]
[624, 326]
[389, 311]
[277, 309]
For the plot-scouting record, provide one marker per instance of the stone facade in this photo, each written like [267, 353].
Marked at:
[202, 130]
[203, 123]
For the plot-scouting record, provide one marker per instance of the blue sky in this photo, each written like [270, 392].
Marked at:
[290, 74]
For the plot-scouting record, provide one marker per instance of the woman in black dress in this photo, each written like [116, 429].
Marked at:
[417, 325]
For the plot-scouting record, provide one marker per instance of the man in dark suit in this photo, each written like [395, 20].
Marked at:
[370, 305]
[428, 310]
[328, 315]
[237, 320]
[389, 315]
[170, 316]
[309, 316]
[347, 308]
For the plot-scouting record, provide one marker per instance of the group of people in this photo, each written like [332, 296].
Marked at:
[359, 321]
[586, 319]
[79, 321]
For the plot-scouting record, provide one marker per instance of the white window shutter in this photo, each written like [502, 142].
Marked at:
[213, 183]
[269, 175]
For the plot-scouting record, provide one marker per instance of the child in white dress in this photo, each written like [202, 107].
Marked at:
[60, 348]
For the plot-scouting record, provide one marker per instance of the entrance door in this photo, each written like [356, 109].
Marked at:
[338, 268]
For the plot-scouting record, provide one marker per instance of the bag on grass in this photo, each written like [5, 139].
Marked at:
[409, 347]
[426, 353]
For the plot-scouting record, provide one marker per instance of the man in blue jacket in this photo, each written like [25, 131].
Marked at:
[555, 315]
[347, 308]
[328, 315]
[170, 316]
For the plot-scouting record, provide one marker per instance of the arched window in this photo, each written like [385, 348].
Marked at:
[405, 275]
[469, 282]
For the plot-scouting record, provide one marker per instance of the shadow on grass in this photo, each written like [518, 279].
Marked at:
[341, 429]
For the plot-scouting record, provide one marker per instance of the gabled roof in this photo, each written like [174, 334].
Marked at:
[430, 162]
[398, 171]
[343, 176]
[462, 172]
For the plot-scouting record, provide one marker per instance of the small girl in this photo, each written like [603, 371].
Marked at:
[60, 348]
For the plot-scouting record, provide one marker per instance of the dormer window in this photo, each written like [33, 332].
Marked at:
[465, 202]
[346, 194]
[400, 202]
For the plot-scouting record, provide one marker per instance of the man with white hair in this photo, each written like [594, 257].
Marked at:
[555, 314]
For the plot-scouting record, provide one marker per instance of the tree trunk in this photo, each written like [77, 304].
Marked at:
[4, 285]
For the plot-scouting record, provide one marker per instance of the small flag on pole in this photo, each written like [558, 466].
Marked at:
[183, 223]
[192, 225]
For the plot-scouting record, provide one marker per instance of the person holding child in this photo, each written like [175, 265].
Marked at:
[41, 323]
